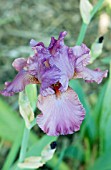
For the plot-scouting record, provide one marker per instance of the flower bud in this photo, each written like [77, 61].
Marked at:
[34, 162]
[96, 48]
[85, 10]
[25, 108]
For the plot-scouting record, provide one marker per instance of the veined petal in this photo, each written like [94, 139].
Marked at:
[82, 55]
[91, 75]
[19, 63]
[62, 60]
[22, 79]
[47, 91]
[60, 115]
[49, 76]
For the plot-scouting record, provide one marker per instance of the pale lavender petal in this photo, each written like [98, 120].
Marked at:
[91, 75]
[19, 63]
[60, 115]
[63, 62]
[32, 65]
[81, 55]
[18, 84]
[33, 43]
[47, 91]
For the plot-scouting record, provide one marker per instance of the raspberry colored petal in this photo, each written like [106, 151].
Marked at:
[18, 84]
[55, 44]
[60, 115]
[91, 75]
[49, 76]
[19, 63]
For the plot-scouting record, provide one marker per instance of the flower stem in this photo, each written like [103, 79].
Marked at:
[82, 33]
[24, 144]
[84, 26]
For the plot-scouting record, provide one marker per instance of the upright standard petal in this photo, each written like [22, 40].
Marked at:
[22, 79]
[81, 55]
[60, 115]
[61, 58]
[91, 75]
[49, 76]
[19, 63]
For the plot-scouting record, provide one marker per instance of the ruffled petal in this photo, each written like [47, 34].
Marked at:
[63, 62]
[91, 75]
[47, 91]
[60, 115]
[81, 55]
[33, 43]
[49, 76]
[19, 63]
[56, 44]
[22, 79]
[32, 65]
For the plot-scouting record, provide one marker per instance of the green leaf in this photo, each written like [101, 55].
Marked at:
[106, 60]
[102, 163]
[75, 152]
[10, 122]
[35, 150]
[105, 120]
[14, 150]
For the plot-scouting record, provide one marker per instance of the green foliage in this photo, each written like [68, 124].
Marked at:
[35, 150]
[10, 122]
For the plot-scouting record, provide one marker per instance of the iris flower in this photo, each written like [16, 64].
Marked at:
[52, 67]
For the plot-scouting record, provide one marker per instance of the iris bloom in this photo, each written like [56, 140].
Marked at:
[52, 67]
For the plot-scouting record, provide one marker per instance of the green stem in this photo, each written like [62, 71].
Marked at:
[84, 26]
[82, 33]
[14, 149]
[24, 146]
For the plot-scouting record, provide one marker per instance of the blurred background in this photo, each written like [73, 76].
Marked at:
[20, 21]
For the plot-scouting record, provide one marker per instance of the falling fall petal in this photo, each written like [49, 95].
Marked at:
[25, 108]
[85, 10]
[96, 48]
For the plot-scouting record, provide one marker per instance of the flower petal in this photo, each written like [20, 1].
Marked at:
[49, 76]
[22, 79]
[33, 43]
[82, 55]
[62, 59]
[19, 63]
[60, 115]
[91, 75]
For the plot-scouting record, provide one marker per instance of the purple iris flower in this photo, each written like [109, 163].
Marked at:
[52, 67]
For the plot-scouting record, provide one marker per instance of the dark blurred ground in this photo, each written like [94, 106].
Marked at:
[21, 21]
